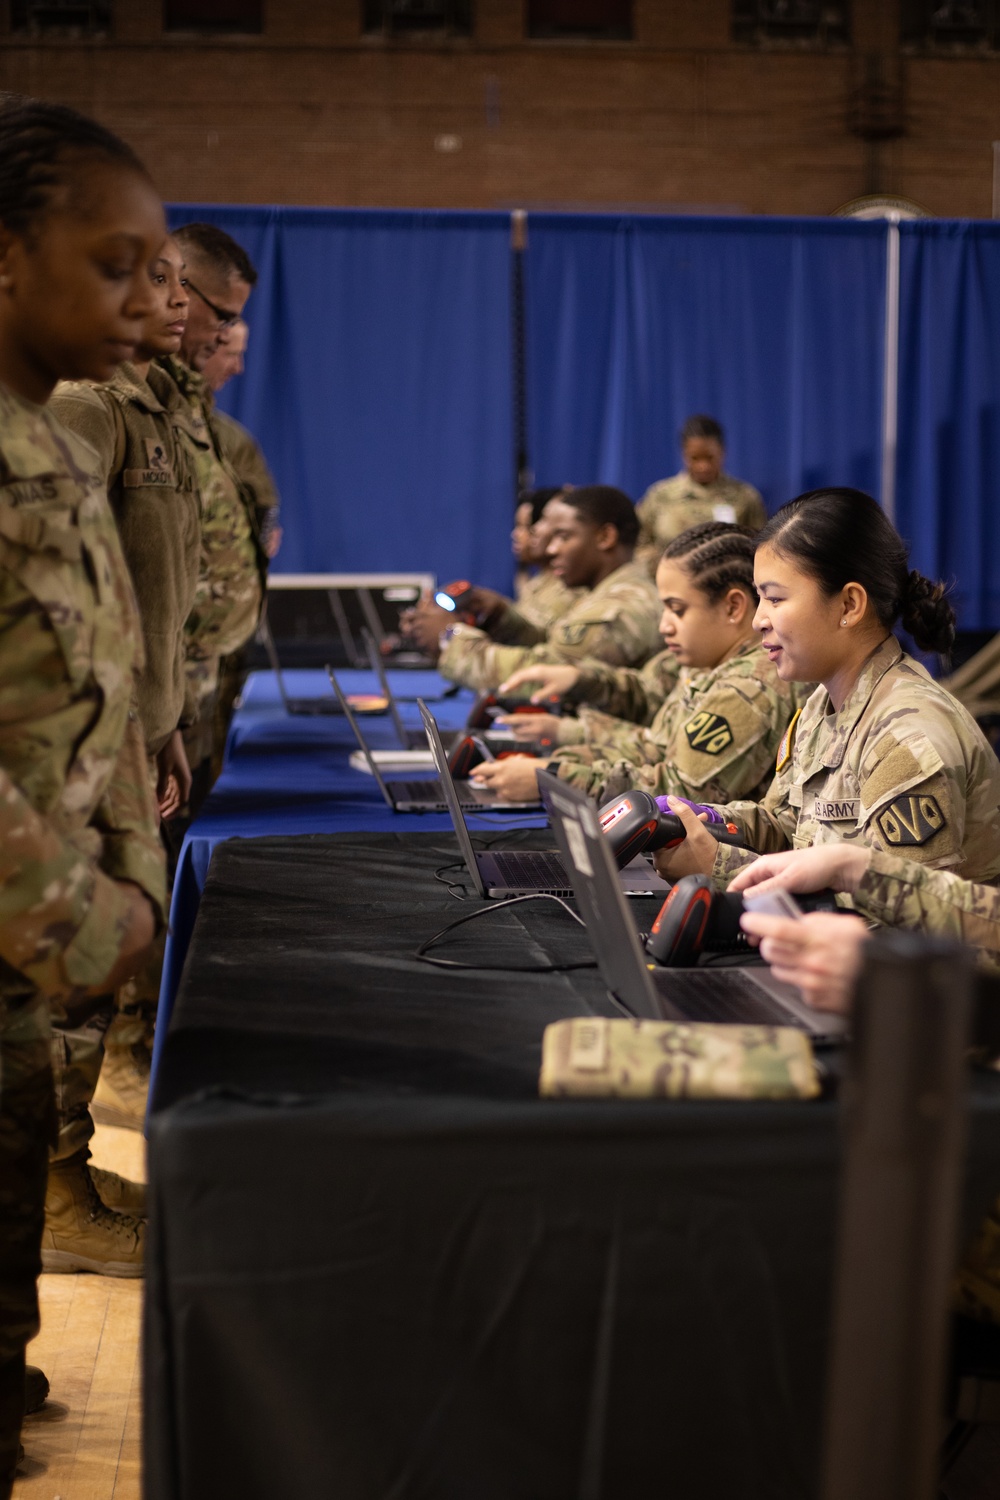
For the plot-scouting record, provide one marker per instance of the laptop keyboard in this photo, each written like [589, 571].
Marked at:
[543, 871]
[727, 995]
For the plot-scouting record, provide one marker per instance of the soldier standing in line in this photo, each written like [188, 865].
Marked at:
[233, 566]
[144, 434]
[700, 492]
[716, 734]
[880, 754]
[82, 869]
[615, 618]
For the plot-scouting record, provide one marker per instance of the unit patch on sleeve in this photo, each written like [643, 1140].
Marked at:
[910, 821]
[709, 733]
[787, 741]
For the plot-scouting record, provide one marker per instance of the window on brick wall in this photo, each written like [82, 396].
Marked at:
[802, 23]
[213, 15]
[68, 16]
[406, 17]
[609, 20]
[951, 25]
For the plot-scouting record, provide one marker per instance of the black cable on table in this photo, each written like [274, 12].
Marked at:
[421, 954]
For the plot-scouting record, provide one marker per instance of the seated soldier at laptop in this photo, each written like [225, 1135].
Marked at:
[540, 595]
[594, 530]
[720, 725]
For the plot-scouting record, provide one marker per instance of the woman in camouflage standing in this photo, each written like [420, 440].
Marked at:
[81, 872]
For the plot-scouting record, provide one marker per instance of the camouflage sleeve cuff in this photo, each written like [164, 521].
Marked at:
[138, 857]
[463, 639]
[511, 628]
[885, 885]
[727, 861]
[92, 952]
[571, 732]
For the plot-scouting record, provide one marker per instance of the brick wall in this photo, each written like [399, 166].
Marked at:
[310, 112]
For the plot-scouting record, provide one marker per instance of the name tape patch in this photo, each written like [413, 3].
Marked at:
[709, 733]
[910, 821]
[832, 811]
[136, 479]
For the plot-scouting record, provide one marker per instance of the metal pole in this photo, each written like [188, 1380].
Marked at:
[890, 383]
[904, 1106]
[523, 476]
[996, 179]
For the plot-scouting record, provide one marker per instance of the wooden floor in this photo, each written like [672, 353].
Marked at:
[85, 1442]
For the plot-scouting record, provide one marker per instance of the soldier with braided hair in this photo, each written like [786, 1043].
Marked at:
[714, 728]
[82, 887]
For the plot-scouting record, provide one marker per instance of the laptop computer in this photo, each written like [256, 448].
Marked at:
[740, 996]
[300, 707]
[318, 617]
[499, 873]
[427, 795]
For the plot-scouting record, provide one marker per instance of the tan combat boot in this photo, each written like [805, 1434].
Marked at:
[123, 1087]
[119, 1193]
[81, 1233]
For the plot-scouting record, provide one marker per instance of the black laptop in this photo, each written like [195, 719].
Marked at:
[297, 707]
[739, 996]
[426, 795]
[499, 873]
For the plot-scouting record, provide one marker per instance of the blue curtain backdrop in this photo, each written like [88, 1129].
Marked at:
[948, 477]
[378, 383]
[774, 326]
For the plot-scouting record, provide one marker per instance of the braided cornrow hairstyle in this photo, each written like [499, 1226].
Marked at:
[716, 556]
[41, 148]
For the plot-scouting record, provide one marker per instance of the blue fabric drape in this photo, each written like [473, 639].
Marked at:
[949, 422]
[379, 385]
[774, 326]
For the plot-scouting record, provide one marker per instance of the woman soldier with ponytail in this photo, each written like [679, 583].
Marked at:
[879, 754]
[709, 733]
[82, 888]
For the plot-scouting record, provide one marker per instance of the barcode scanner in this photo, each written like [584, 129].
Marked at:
[488, 705]
[455, 597]
[636, 822]
[695, 919]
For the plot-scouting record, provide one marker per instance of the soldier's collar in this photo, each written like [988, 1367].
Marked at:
[128, 380]
[885, 656]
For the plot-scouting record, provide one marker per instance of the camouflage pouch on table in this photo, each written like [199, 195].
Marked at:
[590, 1056]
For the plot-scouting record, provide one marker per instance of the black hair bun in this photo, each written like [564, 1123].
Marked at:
[926, 613]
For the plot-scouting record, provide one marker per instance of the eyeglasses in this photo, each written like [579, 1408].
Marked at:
[223, 318]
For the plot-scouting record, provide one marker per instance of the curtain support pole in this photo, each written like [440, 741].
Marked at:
[890, 380]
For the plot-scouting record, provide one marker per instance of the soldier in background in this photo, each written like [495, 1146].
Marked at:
[233, 567]
[716, 735]
[700, 492]
[82, 876]
[615, 619]
[540, 596]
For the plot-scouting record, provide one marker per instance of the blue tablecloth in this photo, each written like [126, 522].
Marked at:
[286, 774]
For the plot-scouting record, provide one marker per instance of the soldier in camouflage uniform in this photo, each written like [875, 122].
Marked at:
[700, 492]
[716, 733]
[615, 620]
[233, 565]
[82, 876]
[239, 446]
[880, 754]
[541, 597]
[144, 434]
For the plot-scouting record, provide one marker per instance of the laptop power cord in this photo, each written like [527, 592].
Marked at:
[422, 955]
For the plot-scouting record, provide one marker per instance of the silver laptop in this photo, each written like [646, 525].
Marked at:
[740, 996]
[415, 739]
[428, 794]
[499, 873]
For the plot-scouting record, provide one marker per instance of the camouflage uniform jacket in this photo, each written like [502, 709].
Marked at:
[616, 622]
[900, 893]
[233, 566]
[76, 811]
[543, 598]
[247, 461]
[714, 738]
[606, 694]
[672, 505]
[901, 767]
[145, 439]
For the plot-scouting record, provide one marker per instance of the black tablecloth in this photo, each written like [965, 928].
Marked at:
[380, 1266]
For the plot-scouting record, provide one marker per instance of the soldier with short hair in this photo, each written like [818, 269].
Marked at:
[82, 887]
[594, 529]
[540, 596]
[702, 491]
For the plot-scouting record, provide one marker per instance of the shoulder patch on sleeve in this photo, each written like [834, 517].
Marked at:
[910, 821]
[787, 742]
[710, 733]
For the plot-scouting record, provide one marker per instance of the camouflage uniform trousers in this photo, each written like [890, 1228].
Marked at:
[26, 1130]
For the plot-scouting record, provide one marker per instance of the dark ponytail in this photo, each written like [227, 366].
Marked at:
[841, 536]
[41, 149]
